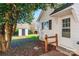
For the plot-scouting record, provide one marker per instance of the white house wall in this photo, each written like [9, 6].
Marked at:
[20, 32]
[25, 26]
[22, 26]
[45, 17]
[26, 32]
[68, 43]
[75, 28]
[76, 10]
[65, 42]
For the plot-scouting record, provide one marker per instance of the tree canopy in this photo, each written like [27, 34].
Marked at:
[24, 10]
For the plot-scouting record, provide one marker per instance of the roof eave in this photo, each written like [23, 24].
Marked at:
[62, 11]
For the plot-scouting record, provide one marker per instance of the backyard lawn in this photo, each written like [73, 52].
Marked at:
[31, 36]
[25, 46]
[22, 40]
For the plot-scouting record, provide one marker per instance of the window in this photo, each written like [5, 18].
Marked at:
[47, 25]
[66, 27]
[50, 24]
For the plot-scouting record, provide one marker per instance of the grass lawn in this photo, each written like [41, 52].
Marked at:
[31, 36]
[23, 40]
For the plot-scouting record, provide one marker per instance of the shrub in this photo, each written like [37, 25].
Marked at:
[16, 32]
[30, 32]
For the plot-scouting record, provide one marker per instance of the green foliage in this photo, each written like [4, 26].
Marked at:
[16, 32]
[33, 37]
[57, 5]
[24, 11]
[1, 25]
[30, 32]
[25, 18]
[1, 20]
[4, 7]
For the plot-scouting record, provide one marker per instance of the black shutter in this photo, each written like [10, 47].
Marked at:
[50, 24]
[42, 25]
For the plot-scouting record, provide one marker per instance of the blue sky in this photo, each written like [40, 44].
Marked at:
[36, 14]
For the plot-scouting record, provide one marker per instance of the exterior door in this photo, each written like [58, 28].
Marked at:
[23, 32]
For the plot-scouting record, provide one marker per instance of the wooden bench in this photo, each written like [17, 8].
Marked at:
[46, 41]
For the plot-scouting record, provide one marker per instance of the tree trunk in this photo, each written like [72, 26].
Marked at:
[3, 44]
[14, 27]
[10, 35]
[9, 26]
[8, 32]
[2, 38]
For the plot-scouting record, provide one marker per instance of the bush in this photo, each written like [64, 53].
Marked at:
[16, 32]
[30, 32]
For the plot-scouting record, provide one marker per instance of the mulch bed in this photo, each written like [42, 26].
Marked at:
[28, 49]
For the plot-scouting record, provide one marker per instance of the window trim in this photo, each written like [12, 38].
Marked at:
[67, 27]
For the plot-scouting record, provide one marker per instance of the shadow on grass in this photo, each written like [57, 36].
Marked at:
[30, 39]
